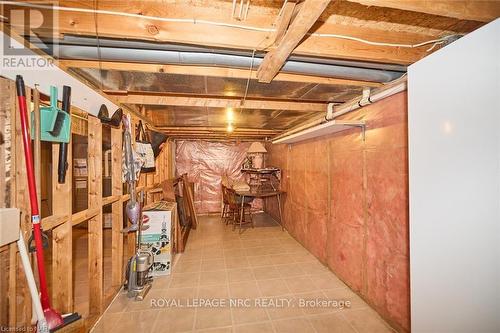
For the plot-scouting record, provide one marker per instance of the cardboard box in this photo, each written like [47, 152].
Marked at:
[158, 237]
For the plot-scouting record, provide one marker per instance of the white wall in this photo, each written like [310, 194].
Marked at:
[454, 165]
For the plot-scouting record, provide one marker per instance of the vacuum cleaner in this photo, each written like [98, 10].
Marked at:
[53, 318]
[138, 279]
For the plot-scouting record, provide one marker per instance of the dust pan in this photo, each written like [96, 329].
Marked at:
[55, 124]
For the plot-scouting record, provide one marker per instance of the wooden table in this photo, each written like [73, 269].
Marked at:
[261, 195]
[262, 174]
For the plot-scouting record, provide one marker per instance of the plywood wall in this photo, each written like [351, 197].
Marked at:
[347, 203]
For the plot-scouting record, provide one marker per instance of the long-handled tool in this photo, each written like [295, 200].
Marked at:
[63, 146]
[54, 318]
[10, 232]
[41, 325]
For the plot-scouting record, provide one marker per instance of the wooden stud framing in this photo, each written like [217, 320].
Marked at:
[116, 209]
[15, 151]
[17, 304]
[95, 233]
[62, 236]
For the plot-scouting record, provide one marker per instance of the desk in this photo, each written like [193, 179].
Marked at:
[267, 175]
[262, 195]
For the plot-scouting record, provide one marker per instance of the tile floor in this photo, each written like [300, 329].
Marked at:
[265, 265]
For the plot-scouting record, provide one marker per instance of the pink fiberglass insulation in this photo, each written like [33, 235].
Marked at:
[206, 162]
[347, 203]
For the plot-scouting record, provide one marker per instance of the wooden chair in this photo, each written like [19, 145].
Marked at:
[235, 208]
[226, 213]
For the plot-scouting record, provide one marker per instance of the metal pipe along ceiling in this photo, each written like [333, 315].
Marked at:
[139, 55]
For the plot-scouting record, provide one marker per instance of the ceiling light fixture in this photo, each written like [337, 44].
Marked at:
[230, 115]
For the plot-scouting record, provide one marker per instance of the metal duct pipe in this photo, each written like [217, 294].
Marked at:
[148, 45]
[349, 106]
[85, 52]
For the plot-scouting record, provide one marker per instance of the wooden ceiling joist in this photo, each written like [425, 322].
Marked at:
[218, 102]
[210, 71]
[116, 26]
[206, 129]
[308, 14]
[483, 11]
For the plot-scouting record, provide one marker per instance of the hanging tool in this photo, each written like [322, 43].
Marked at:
[54, 318]
[62, 165]
[55, 124]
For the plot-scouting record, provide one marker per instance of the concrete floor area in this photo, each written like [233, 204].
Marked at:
[260, 280]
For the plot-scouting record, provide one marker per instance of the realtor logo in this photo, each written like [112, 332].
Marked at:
[37, 24]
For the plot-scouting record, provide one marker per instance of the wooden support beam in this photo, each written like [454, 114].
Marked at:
[116, 26]
[484, 11]
[306, 17]
[15, 148]
[116, 208]
[84, 215]
[50, 222]
[284, 21]
[62, 238]
[217, 129]
[95, 257]
[219, 102]
[210, 71]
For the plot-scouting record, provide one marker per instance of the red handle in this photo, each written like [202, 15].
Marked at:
[35, 215]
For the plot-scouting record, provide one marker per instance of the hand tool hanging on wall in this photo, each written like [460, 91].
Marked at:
[54, 318]
[62, 165]
[55, 124]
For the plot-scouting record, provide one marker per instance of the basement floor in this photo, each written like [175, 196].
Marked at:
[263, 264]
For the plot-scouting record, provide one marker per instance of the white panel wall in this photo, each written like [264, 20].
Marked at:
[454, 165]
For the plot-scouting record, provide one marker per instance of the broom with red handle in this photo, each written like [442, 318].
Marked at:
[53, 318]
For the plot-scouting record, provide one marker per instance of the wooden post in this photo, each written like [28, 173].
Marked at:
[116, 208]
[95, 233]
[62, 236]
[149, 181]
[13, 247]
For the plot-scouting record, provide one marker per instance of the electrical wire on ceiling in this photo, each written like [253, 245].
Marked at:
[434, 42]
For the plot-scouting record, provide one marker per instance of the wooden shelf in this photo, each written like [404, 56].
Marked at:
[330, 127]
